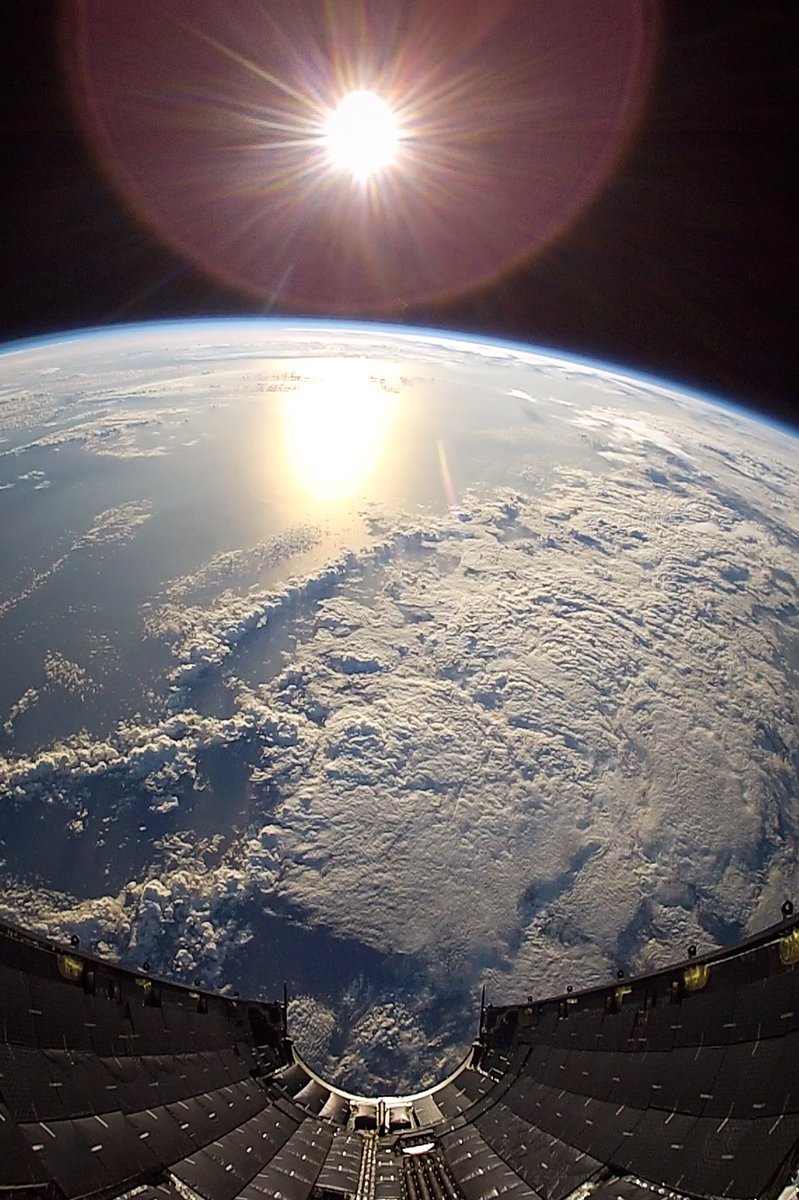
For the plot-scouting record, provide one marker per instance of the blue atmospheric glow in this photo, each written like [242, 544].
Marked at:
[738, 408]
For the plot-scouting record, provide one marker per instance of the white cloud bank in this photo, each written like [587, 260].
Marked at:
[527, 743]
[545, 716]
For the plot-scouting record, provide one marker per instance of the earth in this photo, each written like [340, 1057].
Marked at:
[391, 664]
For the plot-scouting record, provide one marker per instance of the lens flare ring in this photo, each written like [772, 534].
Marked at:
[483, 132]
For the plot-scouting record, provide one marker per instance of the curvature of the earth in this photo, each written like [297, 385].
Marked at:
[389, 663]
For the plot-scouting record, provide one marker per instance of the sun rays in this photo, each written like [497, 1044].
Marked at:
[358, 155]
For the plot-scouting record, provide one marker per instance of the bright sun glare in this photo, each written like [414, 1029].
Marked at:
[337, 427]
[361, 134]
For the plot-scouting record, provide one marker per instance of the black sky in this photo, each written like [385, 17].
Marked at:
[683, 266]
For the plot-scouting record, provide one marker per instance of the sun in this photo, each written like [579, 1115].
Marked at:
[361, 135]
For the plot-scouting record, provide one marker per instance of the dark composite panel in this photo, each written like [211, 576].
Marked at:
[551, 1167]
[107, 1079]
[477, 1170]
[688, 1078]
[343, 1163]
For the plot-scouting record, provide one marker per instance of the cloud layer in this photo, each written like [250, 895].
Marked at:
[545, 735]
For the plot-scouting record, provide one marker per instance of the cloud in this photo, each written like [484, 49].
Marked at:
[529, 743]
[551, 699]
[204, 635]
[137, 752]
[548, 706]
[389, 1040]
[182, 918]
[28, 699]
[116, 524]
[69, 675]
[110, 432]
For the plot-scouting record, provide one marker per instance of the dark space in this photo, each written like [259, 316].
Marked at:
[682, 266]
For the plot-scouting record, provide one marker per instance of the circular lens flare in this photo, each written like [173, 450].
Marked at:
[359, 155]
[361, 135]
